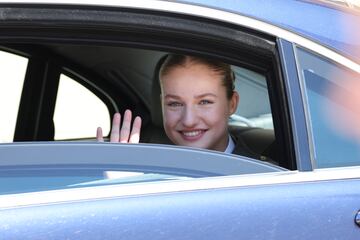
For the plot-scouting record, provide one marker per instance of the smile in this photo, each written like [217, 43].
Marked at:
[192, 135]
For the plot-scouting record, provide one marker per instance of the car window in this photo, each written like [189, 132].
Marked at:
[332, 148]
[78, 112]
[12, 75]
[254, 107]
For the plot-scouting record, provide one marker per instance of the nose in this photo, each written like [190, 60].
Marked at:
[190, 117]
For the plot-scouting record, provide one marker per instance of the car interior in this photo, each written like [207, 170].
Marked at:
[117, 62]
[127, 78]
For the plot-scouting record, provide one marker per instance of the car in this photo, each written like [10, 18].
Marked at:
[68, 66]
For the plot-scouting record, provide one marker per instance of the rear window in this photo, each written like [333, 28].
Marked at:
[333, 146]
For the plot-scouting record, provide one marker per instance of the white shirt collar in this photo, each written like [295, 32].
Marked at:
[231, 145]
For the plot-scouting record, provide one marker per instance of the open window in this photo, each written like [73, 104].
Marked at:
[12, 75]
[117, 65]
[78, 111]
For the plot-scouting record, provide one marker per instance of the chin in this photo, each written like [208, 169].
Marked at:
[197, 145]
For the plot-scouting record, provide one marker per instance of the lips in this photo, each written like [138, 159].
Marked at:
[192, 135]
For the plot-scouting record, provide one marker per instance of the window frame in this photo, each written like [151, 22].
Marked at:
[225, 42]
[303, 152]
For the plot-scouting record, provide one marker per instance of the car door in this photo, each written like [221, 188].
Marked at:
[273, 206]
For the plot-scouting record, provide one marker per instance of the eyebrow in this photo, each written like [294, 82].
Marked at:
[172, 96]
[206, 95]
[197, 96]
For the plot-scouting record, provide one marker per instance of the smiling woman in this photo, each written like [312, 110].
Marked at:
[198, 97]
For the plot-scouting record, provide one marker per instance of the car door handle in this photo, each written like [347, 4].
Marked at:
[357, 218]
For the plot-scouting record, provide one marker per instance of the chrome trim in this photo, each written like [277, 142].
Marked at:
[210, 13]
[177, 186]
[304, 98]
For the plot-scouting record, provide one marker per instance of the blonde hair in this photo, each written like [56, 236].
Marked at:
[223, 69]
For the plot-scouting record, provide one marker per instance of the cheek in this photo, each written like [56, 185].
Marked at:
[218, 114]
[171, 117]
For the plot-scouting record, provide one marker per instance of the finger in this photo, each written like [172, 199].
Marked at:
[125, 128]
[115, 128]
[135, 132]
[99, 135]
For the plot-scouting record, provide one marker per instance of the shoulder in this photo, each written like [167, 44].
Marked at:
[243, 150]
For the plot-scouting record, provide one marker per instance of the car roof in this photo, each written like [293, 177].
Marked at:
[324, 22]
[321, 21]
[327, 24]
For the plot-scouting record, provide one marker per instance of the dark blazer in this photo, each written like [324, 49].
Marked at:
[243, 150]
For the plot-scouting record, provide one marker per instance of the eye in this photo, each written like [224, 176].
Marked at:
[174, 104]
[205, 102]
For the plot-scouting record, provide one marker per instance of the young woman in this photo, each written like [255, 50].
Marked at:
[197, 96]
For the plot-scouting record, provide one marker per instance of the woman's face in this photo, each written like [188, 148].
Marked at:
[195, 107]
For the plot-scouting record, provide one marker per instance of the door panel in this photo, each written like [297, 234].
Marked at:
[314, 210]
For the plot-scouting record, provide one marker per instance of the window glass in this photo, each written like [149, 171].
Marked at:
[78, 112]
[12, 75]
[254, 106]
[332, 146]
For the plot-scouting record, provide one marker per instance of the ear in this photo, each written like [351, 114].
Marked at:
[234, 102]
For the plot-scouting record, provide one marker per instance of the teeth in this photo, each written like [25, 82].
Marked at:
[192, 133]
